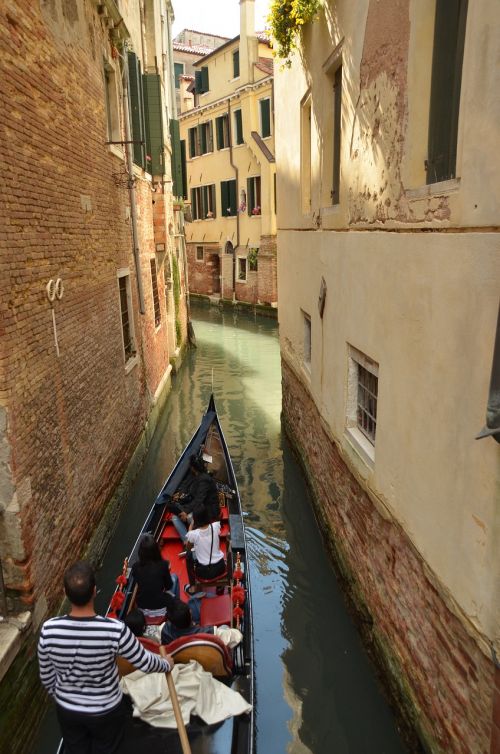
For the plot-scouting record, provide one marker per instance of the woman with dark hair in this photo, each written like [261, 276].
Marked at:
[156, 586]
[205, 559]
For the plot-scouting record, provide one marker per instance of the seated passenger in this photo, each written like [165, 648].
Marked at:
[204, 544]
[180, 623]
[197, 492]
[156, 586]
[136, 621]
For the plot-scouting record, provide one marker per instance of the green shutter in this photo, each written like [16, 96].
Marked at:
[184, 169]
[239, 127]
[250, 195]
[213, 202]
[219, 127]
[447, 60]
[204, 79]
[176, 159]
[265, 117]
[202, 136]
[136, 109]
[236, 64]
[154, 123]
[232, 197]
[193, 205]
[198, 85]
[192, 142]
[224, 198]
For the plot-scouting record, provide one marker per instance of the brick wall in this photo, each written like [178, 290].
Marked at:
[267, 292]
[444, 682]
[71, 421]
[204, 276]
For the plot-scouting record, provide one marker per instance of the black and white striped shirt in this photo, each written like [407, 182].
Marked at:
[77, 658]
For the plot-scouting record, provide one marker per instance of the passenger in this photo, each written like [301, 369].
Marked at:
[136, 621]
[204, 544]
[156, 586]
[197, 492]
[180, 623]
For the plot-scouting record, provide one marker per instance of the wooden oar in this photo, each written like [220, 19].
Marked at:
[186, 748]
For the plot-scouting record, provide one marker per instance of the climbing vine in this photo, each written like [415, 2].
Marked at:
[286, 19]
[177, 297]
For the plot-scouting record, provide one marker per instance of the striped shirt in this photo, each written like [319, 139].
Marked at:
[77, 659]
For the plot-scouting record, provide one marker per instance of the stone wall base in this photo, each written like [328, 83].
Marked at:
[445, 686]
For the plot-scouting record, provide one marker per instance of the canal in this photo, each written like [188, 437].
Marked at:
[316, 688]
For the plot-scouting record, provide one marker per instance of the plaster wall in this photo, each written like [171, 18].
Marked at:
[422, 305]
[220, 72]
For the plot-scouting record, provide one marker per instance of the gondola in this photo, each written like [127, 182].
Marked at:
[236, 734]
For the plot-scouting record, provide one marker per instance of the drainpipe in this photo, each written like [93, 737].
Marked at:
[131, 180]
[236, 171]
[3, 598]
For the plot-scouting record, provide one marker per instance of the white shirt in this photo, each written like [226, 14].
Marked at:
[201, 539]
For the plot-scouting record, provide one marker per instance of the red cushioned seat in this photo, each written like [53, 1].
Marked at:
[216, 611]
[150, 644]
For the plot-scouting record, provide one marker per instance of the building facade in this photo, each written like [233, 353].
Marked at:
[188, 47]
[227, 138]
[387, 123]
[89, 319]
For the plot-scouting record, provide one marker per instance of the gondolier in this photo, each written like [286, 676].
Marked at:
[77, 656]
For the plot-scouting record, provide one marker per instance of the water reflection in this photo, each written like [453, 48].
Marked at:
[315, 687]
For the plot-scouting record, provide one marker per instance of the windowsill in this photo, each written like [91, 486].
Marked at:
[306, 369]
[332, 209]
[229, 217]
[265, 138]
[222, 149]
[131, 363]
[157, 328]
[116, 151]
[434, 189]
[241, 281]
[235, 78]
[239, 145]
[361, 444]
[255, 217]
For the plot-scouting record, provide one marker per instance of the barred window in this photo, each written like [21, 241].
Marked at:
[156, 300]
[126, 316]
[199, 253]
[367, 403]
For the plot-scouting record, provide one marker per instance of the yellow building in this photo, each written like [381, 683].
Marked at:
[387, 133]
[227, 136]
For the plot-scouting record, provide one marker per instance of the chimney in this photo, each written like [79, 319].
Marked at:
[249, 45]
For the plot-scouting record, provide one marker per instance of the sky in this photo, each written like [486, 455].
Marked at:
[215, 16]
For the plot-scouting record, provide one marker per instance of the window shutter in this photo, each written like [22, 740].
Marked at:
[193, 204]
[204, 201]
[250, 195]
[447, 60]
[178, 71]
[213, 203]
[136, 109]
[154, 123]
[236, 64]
[202, 137]
[176, 159]
[192, 142]
[197, 82]
[224, 198]
[265, 117]
[184, 170]
[220, 136]
[232, 197]
[239, 127]
[210, 137]
[204, 79]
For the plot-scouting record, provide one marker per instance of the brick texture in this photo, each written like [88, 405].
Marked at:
[72, 421]
[444, 681]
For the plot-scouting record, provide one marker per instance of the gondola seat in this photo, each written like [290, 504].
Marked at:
[207, 649]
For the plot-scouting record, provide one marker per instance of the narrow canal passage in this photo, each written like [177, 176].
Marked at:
[316, 690]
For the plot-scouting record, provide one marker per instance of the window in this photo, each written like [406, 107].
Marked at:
[228, 198]
[112, 109]
[362, 402]
[201, 80]
[242, 269]
[238, 127]
[201, 139]
[156, 300]
[253, 193]
[447, 60]
[305, 153]
[236, 64]
[307, 340]
[222, 131]
[265, 117]
[337, 129]
[203, 202]
[178, 71]
[199, 253]
[126, 316]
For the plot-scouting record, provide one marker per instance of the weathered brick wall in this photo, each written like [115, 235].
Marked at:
[73, 421]
[204, 277]
[267, 283]
[247, 291]
[436, 667]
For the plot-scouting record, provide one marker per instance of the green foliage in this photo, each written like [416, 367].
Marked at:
[252, 259]
[286, 19]
[177, 297]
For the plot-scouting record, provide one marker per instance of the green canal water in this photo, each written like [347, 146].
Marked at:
[316, 690]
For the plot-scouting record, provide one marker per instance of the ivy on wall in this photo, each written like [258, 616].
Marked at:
[286, 19]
